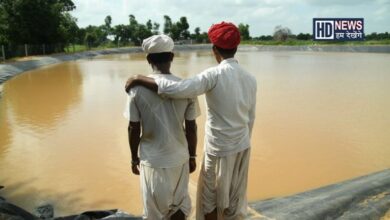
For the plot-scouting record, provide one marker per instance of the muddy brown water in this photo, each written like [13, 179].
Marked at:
[321, 118]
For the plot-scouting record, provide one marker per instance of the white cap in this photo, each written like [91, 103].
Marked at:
[158, 44]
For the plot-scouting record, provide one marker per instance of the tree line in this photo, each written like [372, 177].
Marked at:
[50, 22]
[284, 33]
[37, 22]
[134, 32]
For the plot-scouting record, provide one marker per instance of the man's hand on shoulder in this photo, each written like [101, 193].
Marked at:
[130, 83]
[140, 80]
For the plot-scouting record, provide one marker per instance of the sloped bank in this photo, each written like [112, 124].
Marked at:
[366, 197]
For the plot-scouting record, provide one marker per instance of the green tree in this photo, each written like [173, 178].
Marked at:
[167, 25]
[36, 21]
[95, 35]
[302, 36]
[177, 30]
[142, 33]
[197, 35]
[121, 34]
[149, 25]
[244, 31]
[69, 29]
[133, 28]
[3, 27]
[91, 40]
[107, 25]
[108, 21]
[156, 27]
[205, 37]
[133, 21]
[66, 5]
[378, 36]
[137, 31]
[183, 26]
[197, 31]
[80, 36]
[372, 36]
[265, 37]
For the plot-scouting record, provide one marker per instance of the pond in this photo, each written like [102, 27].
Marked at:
[322, 118]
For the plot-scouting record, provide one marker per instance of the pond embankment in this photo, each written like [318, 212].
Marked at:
[11, 69]
[366, 197]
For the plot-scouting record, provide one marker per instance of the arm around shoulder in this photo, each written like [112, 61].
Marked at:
[140, 80]
[188, 88]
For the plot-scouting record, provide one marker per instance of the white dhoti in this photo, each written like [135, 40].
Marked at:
[165, 191]
[222, 184]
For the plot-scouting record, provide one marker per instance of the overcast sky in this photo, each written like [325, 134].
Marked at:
[261, 15]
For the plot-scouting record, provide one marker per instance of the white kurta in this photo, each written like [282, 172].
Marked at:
[163, 149]
[163, 143]
[231, 99]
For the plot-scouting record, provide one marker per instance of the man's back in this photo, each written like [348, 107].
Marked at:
[231, 99]
[231, 102]
[163, 142]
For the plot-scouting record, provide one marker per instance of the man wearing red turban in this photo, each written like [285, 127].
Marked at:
[231, 99]
[224, 35]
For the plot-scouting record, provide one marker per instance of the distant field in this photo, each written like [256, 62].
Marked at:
[311, 42]
[292, 42]
[79, 48]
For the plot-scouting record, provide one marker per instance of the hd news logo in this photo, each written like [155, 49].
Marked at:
[338, 29]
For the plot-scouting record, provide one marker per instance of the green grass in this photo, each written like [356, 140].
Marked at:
[80, 48]
[294, 42]
[290, 42]
[76, 48]
[377, 42]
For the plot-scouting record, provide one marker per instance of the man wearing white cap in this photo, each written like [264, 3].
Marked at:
[167, 149]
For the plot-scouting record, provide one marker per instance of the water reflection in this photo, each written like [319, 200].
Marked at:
[5, 129]
[40, 100]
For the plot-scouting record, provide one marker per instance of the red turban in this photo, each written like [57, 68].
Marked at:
[224, 35]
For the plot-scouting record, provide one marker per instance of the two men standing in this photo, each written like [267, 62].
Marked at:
[231, 98]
